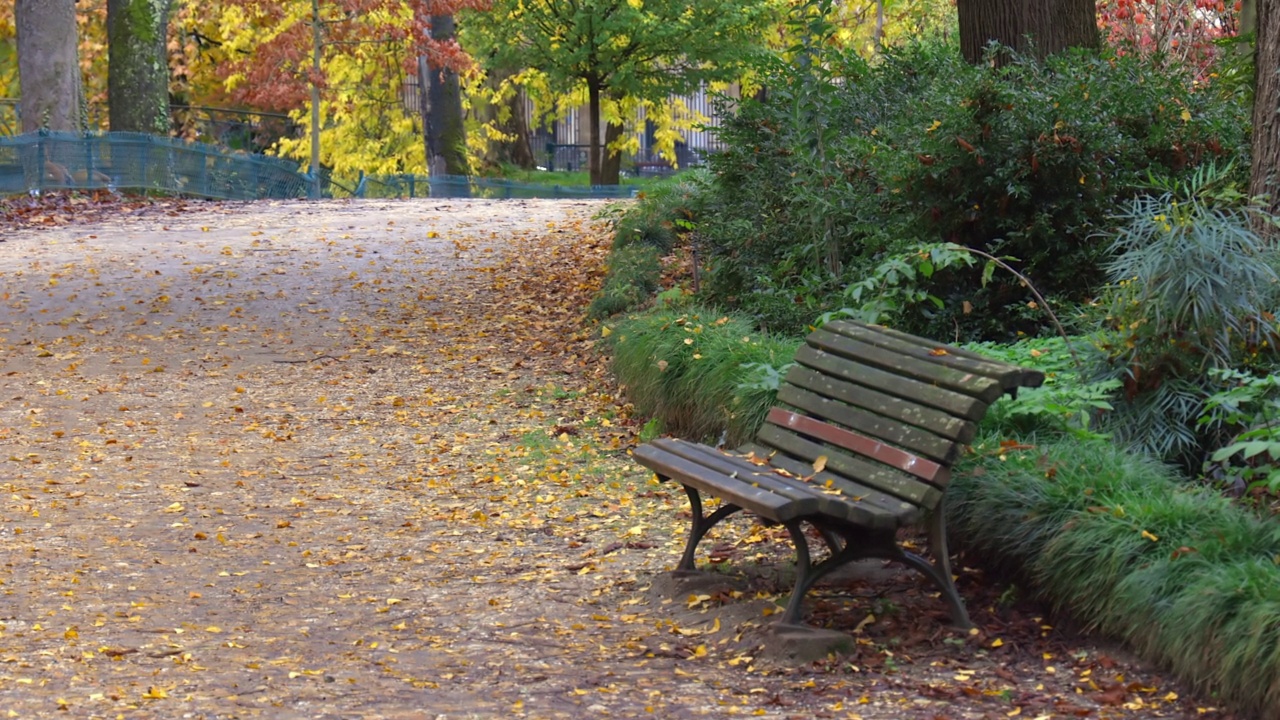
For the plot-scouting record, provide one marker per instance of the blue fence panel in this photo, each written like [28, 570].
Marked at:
[58, 161]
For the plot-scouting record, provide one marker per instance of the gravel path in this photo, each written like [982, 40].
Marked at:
[361, 460]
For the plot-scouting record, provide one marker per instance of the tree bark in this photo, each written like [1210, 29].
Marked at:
[138, 65]
[1248, 17]
[611, 162]
[1265, 176]
[1032, 27]
[508, 116]
[519, 152]
[49, 65]
[449, 151]
[877, 39]
[1071, 24]
[594, 154]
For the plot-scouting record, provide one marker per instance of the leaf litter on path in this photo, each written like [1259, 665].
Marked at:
[363, 460]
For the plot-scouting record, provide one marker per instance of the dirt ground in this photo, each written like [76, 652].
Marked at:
[362, 460]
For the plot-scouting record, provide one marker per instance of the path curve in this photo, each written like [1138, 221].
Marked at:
[359, 460]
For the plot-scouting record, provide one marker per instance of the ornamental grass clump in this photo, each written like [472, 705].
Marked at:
[633, 275]
[665, 211]
[692, 368]
[1115, 539]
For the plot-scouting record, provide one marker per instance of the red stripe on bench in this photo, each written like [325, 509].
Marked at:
[922, 468]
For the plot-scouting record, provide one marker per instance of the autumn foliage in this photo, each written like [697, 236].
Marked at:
[276, 73]
[1183, 31]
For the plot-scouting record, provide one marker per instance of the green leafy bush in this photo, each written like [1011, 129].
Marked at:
[898, 283]
[1067, 402]
[1247, 411]
[644, 232]
[846, 161]
[1193, 289]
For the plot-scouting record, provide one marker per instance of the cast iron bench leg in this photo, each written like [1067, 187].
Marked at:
[701, 524]
[939, 570]
[842, 552]
[938, 547]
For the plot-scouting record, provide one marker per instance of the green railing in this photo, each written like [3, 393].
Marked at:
[43, 161]
[462, 186]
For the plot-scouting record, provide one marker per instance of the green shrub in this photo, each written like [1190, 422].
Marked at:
[1067, 402]
[1115, 539]
[697, 371]
[644, 232]
[844, 164]
[1246, 411]
[1193, 289]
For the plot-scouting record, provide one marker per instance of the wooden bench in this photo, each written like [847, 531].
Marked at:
[869, 422]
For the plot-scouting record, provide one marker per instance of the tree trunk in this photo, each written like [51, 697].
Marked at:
[1035, 27]
[138, 65]
[450, 146]
[1248, 17]
[519, 152]
[594, 155]
[1265, 178]
[507, 115]
[49, 65]
[877, 39]
[1071, 24]
[611, 162]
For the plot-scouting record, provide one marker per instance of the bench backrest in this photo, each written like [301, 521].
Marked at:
[887, 410]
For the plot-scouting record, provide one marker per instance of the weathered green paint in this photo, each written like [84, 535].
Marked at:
[137, 66]
[883, 392]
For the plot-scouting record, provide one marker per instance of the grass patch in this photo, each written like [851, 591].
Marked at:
[693, 368]
[664, 211]
[1187, 578]
[631, 281]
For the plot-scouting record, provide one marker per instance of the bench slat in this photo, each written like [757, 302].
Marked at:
[925, 469]
[856, 504]
[881, 477]
[815, 374]
[1009, 376]
[978, 386]
[740, 467]
[757, 500]
[1017, 377]
[907, 437]
[913, 391]
[902, 511]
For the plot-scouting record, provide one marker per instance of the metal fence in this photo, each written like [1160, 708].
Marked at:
[42, 161]
[249, 130]
[461, 186]
[561, 143]
[39, 162]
